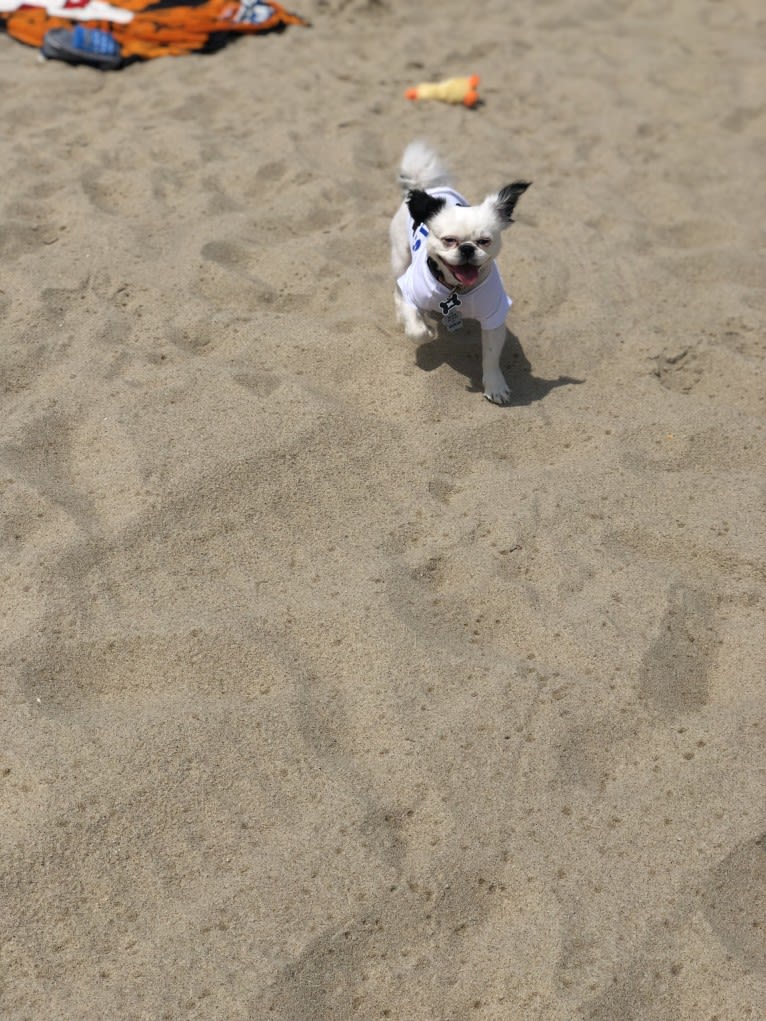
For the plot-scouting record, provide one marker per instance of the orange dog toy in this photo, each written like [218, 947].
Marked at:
[451, 90]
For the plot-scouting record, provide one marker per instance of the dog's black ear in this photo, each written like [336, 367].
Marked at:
[423, 206]
[508, 197]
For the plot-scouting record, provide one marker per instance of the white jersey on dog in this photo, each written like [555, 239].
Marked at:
[486, 302]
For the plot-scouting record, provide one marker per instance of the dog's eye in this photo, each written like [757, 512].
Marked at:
[483, 242]
[449, 242]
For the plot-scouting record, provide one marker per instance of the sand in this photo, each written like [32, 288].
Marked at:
[330, 690]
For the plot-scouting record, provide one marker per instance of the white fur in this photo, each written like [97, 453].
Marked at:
[480, 226]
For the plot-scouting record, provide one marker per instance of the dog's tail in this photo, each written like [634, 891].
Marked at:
[421, 168]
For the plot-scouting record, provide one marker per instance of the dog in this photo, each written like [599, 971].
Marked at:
[443, 254]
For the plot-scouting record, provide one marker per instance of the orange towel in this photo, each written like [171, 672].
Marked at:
[159, 28]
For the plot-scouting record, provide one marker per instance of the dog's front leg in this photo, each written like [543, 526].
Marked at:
[415, 324]
[495, 387]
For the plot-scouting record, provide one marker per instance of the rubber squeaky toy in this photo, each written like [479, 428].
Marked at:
[451, 90]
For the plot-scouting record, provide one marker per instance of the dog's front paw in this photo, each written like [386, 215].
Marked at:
[497, 390]
[418, 328]
[421, 332]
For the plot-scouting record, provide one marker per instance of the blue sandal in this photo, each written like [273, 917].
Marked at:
[81, 45]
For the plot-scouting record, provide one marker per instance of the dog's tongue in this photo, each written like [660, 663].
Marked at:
[467, 274]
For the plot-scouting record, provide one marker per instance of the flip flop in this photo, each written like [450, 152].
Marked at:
[81, 45]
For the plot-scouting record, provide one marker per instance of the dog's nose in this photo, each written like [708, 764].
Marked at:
[467, 250]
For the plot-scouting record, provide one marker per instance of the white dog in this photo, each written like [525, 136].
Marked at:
[443, 255]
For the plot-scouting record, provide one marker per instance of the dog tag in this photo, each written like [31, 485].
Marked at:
[451, 315]
[453, 320]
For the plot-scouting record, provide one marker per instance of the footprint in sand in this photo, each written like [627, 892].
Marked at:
[42, 458]
[682, 370]
[19, 238]
[735, 904]
[225, 278]
[228, 279]
[675, 673]
[114, 191]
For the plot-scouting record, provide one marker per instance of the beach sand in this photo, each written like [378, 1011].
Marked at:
[330, 690]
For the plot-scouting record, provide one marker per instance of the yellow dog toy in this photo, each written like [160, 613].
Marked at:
[451, 90]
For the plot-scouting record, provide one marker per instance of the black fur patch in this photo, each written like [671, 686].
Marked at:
[423, 206]
[508, 197]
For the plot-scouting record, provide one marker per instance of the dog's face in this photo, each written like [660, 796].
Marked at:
[463, 241]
